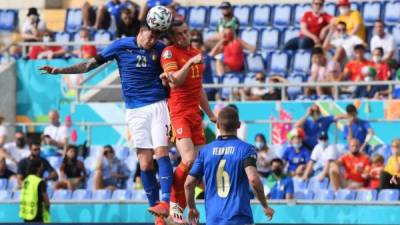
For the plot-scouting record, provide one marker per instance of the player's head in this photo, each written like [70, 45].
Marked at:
[180, 34]
[146, 37]
[228, 121]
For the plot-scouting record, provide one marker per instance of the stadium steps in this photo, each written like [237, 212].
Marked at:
[54, 18]
[104, 95]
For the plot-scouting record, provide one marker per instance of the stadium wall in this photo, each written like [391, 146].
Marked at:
[8, 93]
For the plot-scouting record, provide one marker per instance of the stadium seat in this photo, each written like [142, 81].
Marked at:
[261, 16]
[290, 33]
[330, 8]
[295, 91]
[182, 11]
[255, 63]
[73, 20]
[279, 62]
[316, 185]
[198, 17]
[371, 12]
[391, 13]
[366, 195]
[299, 11]
[90, 163]
[270, 39]
[101, 194]
[355, 6]
[323, 195]
[250, 35]
[302, 62]
[345, 194]
[383, 150]
[61, 195]
[3, 184]
[299, 184]
[102, 36]
[139, 195]
[95, 150]
[12, 184]
[16, 195]
[131, 163]
[396, 34]
[122, 152]
[229, 79]
[5, 195]
[282, 15]
[250, 78]
[9, 19]
[388, 195]
[81, 194]
[243, 13]
[215, 16]
[55, 161]
[303, 195]
[207, 33]
[121, 194]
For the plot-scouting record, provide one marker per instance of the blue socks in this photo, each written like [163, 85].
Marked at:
[165, 173]
[150, 185]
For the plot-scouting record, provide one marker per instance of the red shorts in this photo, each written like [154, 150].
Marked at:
[186, 127]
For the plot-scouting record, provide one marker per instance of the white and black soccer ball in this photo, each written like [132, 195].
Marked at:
[159, 18]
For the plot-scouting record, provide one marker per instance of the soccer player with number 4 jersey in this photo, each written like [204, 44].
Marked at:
[183, 67]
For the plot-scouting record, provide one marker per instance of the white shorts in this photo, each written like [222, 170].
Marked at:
[149, 125]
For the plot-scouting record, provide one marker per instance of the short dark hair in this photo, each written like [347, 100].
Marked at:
[350, 108]
[277, 160]
[126, 11]
[234, 107]
[262, 136]
[228, 119]
[34, 165]
[380, 49]
[317, 51]
[342, 23]
[33, 142]
[380, 21]
[359, 47]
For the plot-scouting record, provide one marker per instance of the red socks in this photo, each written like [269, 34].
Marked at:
[178, 190]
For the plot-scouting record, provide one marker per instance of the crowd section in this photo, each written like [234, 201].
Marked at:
[250, 44]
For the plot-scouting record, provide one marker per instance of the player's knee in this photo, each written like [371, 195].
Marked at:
[146, 165]
[334, 168]
[188, 162]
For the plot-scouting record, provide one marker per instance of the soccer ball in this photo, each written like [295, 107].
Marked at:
[159, 18]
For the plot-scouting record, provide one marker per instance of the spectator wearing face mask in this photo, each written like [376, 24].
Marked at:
[15, 151]
[264, 155]
[296, 154]
[353, 69]
[321, 158]
[279, 184]
[352, 18]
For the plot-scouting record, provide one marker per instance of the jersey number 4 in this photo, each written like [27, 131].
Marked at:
[223, 183]
[141, 61]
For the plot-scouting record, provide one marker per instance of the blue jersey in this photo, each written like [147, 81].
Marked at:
[359, 130]
[152, 3]
[227, 194]
[115, 9]
[313, 129]
[296, 158]
[139, 71]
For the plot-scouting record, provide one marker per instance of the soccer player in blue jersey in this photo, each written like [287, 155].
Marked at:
[229, 166]
[138, 60]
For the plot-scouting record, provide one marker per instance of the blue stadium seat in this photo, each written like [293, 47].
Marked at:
[314, 184]
[102, 36]
[3, 184]
[243, 13]
[396, 34]
[303, 195]
[121, 194]
[62, 37]
[261, 15]
[131, 162]
[290, 33]
[279, 62]
[330, 8]
[5, 195]
[229, 78]
[255, 63]
[198, 17]
[282, 15]
[182, 11]
[270, 39]
[90, 163]
[324, 195]
[62, 195]
[215, 16]
[383, 150]
[326, 98]
[345, 194]
[302, 62]
[122, 152]
[366, 195]
[55, 161]
[207, 33]
[388, 195]
[250, 35]
[9, 19]
[95, 150]
[81, 194]
[217, 79]
[12, 184]
[73, 20]
[299, 184]
[299, 11]
[139, 195]
[250, 78]
[101, 194]
[371, 12]
[355, 6]
[391, 13]
[16, 195]
[294, 91]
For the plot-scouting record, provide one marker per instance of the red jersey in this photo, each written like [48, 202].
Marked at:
[355, 69]
[354, 166]
[185, 99]
[382, 71]
[374, 174]
[234, 56]
[88, 51]
[315, 23]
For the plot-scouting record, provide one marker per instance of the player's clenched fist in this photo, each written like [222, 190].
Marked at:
[197, 59]
[193, 216]
[48, 69]
[269, 212]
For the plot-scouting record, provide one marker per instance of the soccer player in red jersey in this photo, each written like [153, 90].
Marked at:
[183, 71]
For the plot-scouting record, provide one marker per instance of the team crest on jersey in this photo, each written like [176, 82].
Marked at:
[167, 54]
[179, 130]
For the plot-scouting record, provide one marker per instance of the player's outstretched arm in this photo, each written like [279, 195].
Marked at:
[177, 78]
[193, 214]
[74, 69]
[206, 107]
[258, 189]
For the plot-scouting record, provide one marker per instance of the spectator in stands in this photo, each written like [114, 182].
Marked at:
[314, 124]
[383, 71]
[321, 158]
[128, 26]
[275, 93]
[72, 134]
[342, 42]
[353, 69]
[386, 41]
[318, 73]
[357, 129]
[3, 132]
[352, 18]
[355, 164]
[33, 28]
[296, 153]
[228, 18]
[5, 173]
[111, 173]
[280, 185]
[72, 171]
[55, 136]
[46, 52]
[264, 155]
[378, 163]
[255, 93]
[314, 26]
[389, 178]
[15, 151]
[229, 52]
[86, 51]
[35, 155]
